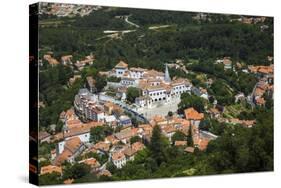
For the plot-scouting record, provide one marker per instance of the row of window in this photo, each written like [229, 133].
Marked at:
[179, 87]
[158, 93]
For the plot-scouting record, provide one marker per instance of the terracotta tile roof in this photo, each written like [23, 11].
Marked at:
[50, 59]
[69, 113]
[152, 74]
[50, 169]
[81, 129]
[189, 149]
[260, 101]
[91, 162]
[192, 114]
[73, 123]
[66, 57]
[201, 143]
[118, 156]
[137, 69]
[73, 144]
[126, 134]
[68, 181]
[63, 157]
[129, 152]
[146, 127]
[157, 118]
[121, 64]
[259, 91]
[168, 128]
[180, 143]
[111, 139]
[102, 146]
[261, 69]
[214, 110]
[137, 146]
[104, 173]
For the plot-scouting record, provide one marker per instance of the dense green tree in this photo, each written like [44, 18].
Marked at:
[100, 83]
[97, 134]
[100, 132]
[78, 170]
[50, 179]
[158, 145]
[189, 136]
[132, 94]
[178, 136]
[135, 139]
[188, 101]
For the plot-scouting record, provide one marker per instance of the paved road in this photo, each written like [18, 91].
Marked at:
[131, 23]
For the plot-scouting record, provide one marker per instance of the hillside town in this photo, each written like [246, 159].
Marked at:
[124, 97]
[92, 110]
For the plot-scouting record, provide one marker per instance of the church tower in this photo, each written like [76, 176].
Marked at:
[167, 75]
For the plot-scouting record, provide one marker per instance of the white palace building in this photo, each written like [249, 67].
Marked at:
[156, 87]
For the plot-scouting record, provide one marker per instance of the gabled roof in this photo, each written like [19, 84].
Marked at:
[192, 114]
[73, 144]
[102, 146]
[122, 64]
[50, 169]
[91, 162]
[118, 156]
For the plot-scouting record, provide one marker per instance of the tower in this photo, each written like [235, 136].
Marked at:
[167, 75]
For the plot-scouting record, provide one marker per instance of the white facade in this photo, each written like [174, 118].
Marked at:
[157, 95]
[120, 162]
[85, 138]
[136, 74]
[129, 81]
[119, 72]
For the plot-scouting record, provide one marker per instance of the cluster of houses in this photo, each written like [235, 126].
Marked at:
[66, 10]
[67, 60]
[74, 140]
[89, 107]
[264, 84]
[155, 86]
[226, 61]
[91, 110]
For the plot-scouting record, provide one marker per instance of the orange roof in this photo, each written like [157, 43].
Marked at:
[192, 114]
[168, 128]
[69, 113]
[118, 156]
[122, 64]
[261, 69]
[180, 143]
[63, 157]
[50, 169]
[73, 123]
[137, 146]
[201, 143]
[91, 162]
[260, 101]
[105, 173]
[73, 144]
[82, 128]
[157, 118]
[102, 146]
[111, 139]
[68, 181]
[66, 57]
[189, 149]
[259, 91]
